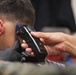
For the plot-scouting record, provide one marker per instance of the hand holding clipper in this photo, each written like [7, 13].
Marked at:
[34, 43]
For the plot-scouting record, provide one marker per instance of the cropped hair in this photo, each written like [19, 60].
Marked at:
[21, 10]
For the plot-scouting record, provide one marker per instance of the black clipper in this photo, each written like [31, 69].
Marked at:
[40, 52]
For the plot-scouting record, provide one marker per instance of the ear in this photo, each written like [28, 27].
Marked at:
[1, 27]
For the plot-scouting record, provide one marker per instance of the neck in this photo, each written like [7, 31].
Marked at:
[6, 42]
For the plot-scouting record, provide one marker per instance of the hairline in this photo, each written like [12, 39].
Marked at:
[11, 17]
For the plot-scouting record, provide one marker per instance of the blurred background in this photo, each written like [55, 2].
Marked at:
[55, 16]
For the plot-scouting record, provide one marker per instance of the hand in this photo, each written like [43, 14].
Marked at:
[10, 54]
[55, 43]
[27, 49]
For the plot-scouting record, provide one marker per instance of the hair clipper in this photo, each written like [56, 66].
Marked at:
[23, 31]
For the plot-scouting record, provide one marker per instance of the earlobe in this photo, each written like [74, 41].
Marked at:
[1, 27]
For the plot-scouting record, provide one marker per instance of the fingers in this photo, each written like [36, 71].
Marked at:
[49, 38]
[24, 45]
[39, 34]
[36, 34]
[27, 49]
[44, 37]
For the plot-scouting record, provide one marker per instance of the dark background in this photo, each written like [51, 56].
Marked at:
[53, 13]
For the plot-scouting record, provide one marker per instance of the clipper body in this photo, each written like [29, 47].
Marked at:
[34, 43]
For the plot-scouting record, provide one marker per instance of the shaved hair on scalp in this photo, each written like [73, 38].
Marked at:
[21, 10]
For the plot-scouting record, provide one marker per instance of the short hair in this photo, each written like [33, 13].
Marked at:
[21, 10]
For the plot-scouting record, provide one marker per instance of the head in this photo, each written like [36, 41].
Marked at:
[13, 12]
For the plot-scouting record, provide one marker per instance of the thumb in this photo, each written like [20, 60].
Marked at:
[61, 47]
[65, 47]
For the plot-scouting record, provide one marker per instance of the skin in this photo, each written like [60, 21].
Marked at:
[7, 32]
[55, 43]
